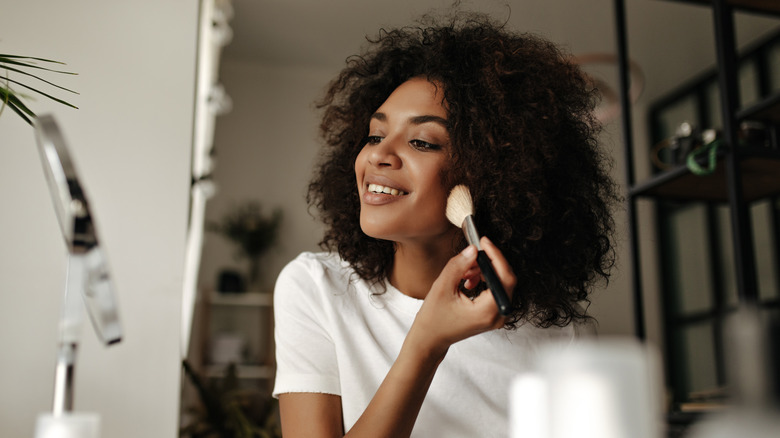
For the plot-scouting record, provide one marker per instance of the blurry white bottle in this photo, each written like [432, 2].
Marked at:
[598, 388]
[752, 366]
[68, 425]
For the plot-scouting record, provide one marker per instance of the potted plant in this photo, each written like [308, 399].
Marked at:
[227, 411]
[22, 65]
[252, 231]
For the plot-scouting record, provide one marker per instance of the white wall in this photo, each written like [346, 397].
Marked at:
[265, 150]
[131, 141]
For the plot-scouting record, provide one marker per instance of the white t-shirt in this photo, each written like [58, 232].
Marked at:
[336, 334]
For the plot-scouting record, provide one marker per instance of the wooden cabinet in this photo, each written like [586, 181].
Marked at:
[232, 332]
[239, 329]
[231, 365]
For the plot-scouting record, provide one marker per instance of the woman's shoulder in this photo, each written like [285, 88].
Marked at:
[316, 264]
[314, 273]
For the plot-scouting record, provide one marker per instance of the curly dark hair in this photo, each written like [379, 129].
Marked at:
[524, 140]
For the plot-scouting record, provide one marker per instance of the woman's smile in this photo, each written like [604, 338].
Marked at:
[379, 190]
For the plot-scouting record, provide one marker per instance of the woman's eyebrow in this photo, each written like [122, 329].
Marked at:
[416, 120]
[419, 120]
[382, 117]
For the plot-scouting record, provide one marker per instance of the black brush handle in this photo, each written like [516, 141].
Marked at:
[494, 284]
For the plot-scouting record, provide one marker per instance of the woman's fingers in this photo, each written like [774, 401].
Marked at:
[448, 316]
[457, 268]
[472, 277]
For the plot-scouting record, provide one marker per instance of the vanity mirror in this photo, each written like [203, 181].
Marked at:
[88, 288]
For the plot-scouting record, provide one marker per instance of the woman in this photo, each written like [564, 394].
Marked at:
[390, 332]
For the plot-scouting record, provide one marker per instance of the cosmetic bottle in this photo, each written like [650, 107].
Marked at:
[68, 425]
[597, 388]
[752, 359]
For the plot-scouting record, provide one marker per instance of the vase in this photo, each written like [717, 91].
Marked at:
[230, 281]
[255, 275]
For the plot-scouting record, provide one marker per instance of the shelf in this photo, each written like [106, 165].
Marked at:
[756, 174]
[760, 179]
[246, 299]
[767, 110]
[758, 6]
[242, 371]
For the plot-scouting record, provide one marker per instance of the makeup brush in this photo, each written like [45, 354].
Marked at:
[460, 211]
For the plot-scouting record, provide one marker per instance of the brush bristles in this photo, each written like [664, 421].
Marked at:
[459, 205]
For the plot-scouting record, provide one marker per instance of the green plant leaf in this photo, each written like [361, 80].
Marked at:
[10, 59]
[249, 228]
[15, 104]
[16, 109]
[36, 77]
[11, 98]
[42, 93]
[214, 410]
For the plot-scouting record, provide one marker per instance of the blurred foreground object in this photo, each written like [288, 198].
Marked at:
[598, 388]
[88, 284]
[752, 350]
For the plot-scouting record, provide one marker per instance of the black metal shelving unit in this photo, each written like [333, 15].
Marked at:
[743, 175]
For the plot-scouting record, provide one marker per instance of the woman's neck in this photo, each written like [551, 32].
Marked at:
[416, 266]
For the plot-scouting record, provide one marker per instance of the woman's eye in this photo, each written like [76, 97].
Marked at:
[372, 140]
[424, 145]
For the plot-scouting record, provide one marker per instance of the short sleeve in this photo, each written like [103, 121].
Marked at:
[305, 351]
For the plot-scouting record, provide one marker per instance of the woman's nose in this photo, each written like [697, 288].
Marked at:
[385, 153]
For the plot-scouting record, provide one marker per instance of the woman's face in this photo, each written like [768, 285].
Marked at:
[399, 170]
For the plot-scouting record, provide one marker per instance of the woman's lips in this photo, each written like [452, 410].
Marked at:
[379, 198]
[376, 193]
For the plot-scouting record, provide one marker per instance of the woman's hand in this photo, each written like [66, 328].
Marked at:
[447, 315]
